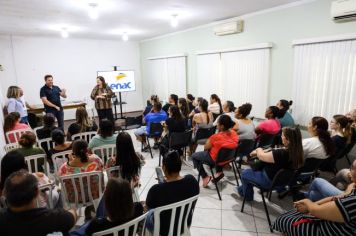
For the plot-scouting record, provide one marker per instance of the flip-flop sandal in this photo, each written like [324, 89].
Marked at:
[218, 178]
[207, 183]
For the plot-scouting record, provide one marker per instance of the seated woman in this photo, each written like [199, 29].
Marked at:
[271, 125]
[202, 119]
[12, 123]
[27, 142]
[105, 135]
[82, 123]
[320, 145]
[333, 215]
[130, 162]
[340, 135]
[288, 157]
[285, 118]
[60, 145]
[48, 126]
[14, 161]
[225, 138]
[244, 125]
[153, 99]
[215, 106]
[190, 100]
[321, 188]
[184, 107]
[119, 208]
[228, 109]
[81, 161]
[175, 123]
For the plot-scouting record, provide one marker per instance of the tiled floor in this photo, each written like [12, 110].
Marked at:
[215, 217]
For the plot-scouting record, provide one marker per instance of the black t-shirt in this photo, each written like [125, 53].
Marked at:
[75, 128]
[281, 161]
[38, 221]
[171, 192]
[175, 125]
[191, 106]
[44, 133]
[166, 107]
[52, 95]
[100, 224]
[339, 142]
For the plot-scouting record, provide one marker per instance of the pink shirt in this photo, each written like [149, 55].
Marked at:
[17, 127]
[271, 126]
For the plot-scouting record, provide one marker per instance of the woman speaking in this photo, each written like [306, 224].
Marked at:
[102, 95]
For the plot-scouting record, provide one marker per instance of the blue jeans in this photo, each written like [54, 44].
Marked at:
[24, 120]
[320, 188]
[203, 157]
[59, 116]
[150, 221]
[248, 176]
[81, 230]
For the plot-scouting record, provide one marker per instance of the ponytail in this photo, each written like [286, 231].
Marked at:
[322, 125]
[217, 99]
[80, 149]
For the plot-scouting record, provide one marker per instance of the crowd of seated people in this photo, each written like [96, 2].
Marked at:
[330, 204]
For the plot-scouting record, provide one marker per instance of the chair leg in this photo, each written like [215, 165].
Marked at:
[149, 146]
[234, 168]
[243, 204]
[201, 166]
[266, 210]
[216, 184]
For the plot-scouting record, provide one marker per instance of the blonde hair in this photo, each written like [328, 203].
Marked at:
[81, 115]
[13, 92]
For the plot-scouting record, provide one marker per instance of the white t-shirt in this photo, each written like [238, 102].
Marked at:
[232, 116]
[313, 148]
[214, 108]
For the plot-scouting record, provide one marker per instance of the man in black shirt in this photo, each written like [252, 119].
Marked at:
[51, 98]
[23, 217]
[175, 189]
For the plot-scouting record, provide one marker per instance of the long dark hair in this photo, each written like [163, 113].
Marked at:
[184, 108]
[176, 114]
[217, 99]
[118, 200]
[11, 162]
[226, 121]
[126, 156]
[102, 79]
[10, 121]
[80, 149]
[345, 125]
[244, 110]
[295, 146]
[321, 125]
[204, 108]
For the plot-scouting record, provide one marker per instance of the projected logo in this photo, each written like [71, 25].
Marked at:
[120, 81]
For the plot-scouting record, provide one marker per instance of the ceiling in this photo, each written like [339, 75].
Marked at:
[141, 19]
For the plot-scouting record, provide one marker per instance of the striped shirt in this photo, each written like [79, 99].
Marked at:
[318, 227]
[102, 103]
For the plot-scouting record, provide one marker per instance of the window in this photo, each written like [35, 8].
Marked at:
[240, 75]
[324, 79]
[167, 75]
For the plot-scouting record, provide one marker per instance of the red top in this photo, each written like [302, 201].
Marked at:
[271, 126]
[222, 140]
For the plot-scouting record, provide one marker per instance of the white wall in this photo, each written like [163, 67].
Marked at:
[72, 62]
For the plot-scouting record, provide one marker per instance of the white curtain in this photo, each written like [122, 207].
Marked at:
[176, 75]
[245, 78]
[324, 79]
[208, 75]
[166, 76]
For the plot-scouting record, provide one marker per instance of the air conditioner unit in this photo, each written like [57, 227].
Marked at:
[229, 28]
[343, 10]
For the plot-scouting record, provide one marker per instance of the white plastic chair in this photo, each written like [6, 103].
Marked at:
[59, 159]
[11, 146]
[45, 143]
[113, 172]
[16, 134]
[82, 188]
[48, 188]
[105, 152]
[125, 228]
[182, 205]
[33, 161]
[87, 136]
